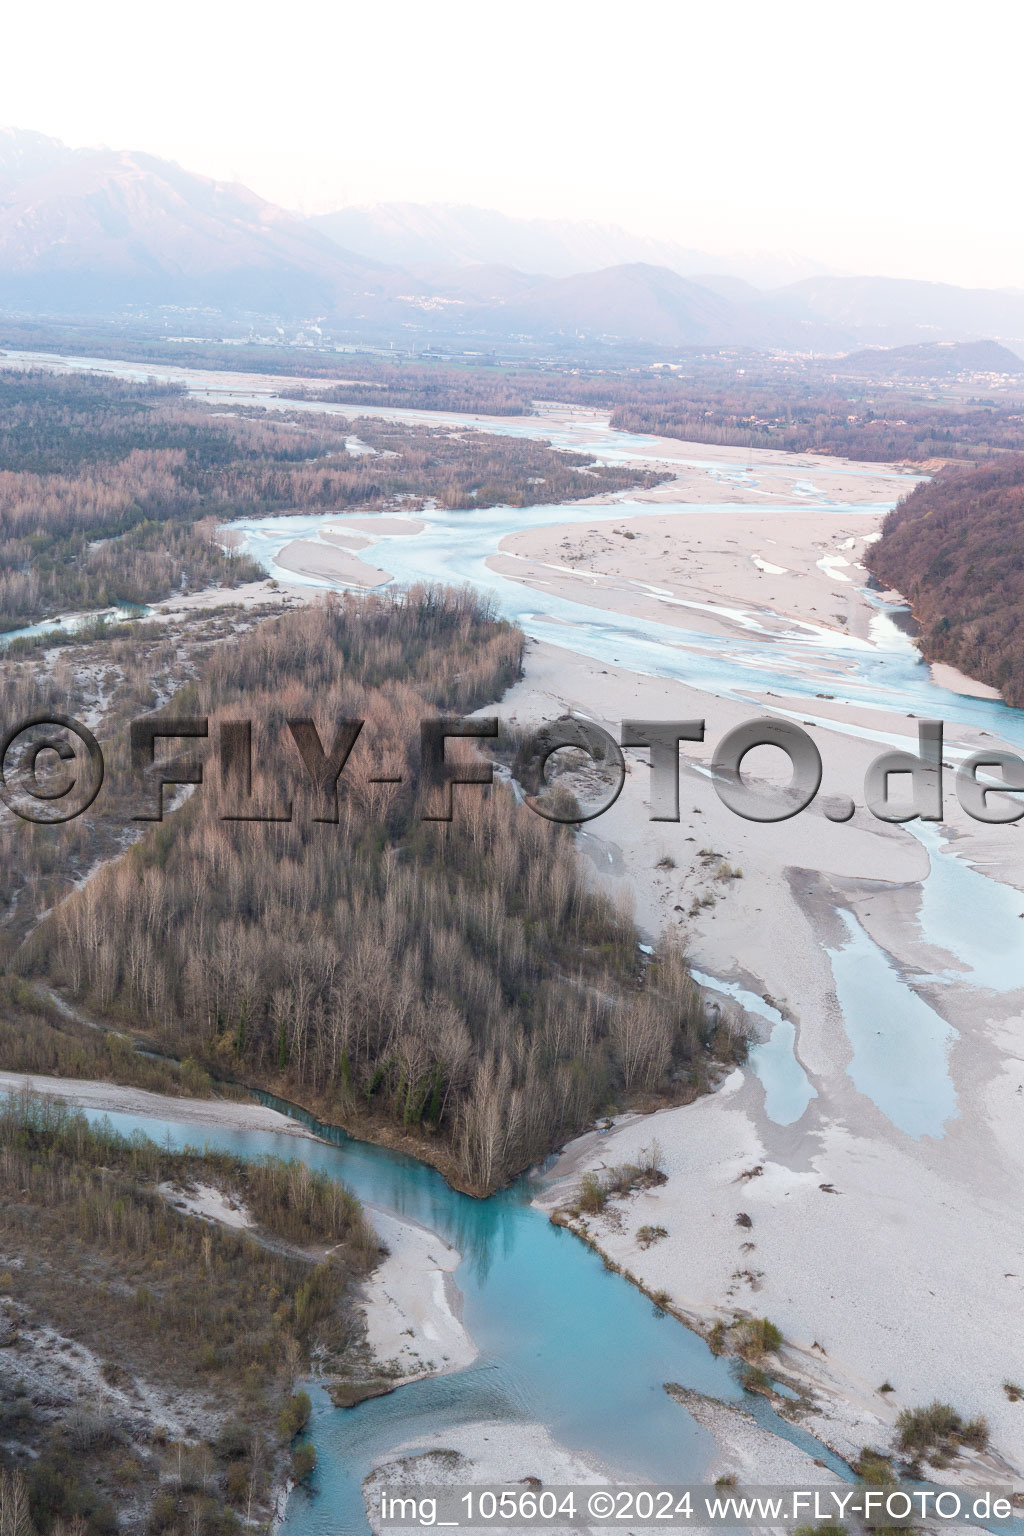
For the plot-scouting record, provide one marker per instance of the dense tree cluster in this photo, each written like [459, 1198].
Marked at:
[106, 673]
[110, 492]
[816, 417]
[426, 387]
[955, 549]
[413, 464]
[457, 984]
[37, 1038]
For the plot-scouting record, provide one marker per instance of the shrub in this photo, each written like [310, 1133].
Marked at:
[233, 1440]
[303, 1461]
[1013, 1391]
[163, 1513]
[753, 1379]
[218, 1521]
[875, 1469]
[645, 1235]
[718, 1339]
[127, 1471]
[294, 1416]
[759, 1337]
[236, 1484]
[643, 1174]
[937, 1431]
[592, 1196]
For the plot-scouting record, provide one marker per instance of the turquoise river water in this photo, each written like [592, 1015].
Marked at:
[563, 1341]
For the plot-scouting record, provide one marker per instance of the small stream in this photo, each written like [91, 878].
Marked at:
[68, 623]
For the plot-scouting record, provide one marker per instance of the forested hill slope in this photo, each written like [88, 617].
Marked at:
[955, 549]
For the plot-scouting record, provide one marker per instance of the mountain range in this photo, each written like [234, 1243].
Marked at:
[99, 233]
[95, 232]
[419, 235]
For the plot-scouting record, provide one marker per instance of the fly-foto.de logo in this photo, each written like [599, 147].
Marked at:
[52, 769]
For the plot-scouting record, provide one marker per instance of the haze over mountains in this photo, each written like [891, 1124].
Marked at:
[95, 232]
[103, 233]
[424, 234]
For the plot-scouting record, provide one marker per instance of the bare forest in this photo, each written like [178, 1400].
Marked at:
[110, 492]
[455, 984]
[454, 987]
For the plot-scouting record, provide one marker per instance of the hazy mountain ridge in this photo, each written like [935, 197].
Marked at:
[894, 311]
[421, 234]
[88, 231]
[24, 154]
[115, 227]
[647, 302]
[652, 305]
[108, 232]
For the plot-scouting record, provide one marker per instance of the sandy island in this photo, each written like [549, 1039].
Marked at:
[721, 573]
[412, 1304]
[314, 557]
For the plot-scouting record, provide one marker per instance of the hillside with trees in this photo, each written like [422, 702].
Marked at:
[932, 360]
[955, 549]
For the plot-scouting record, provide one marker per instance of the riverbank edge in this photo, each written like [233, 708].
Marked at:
[376, 1131]
[371, 1130]
[825, 1404]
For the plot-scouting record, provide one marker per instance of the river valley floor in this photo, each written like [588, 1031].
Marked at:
[874, 1141]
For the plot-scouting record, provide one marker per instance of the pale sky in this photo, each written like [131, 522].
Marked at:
[879, 138]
